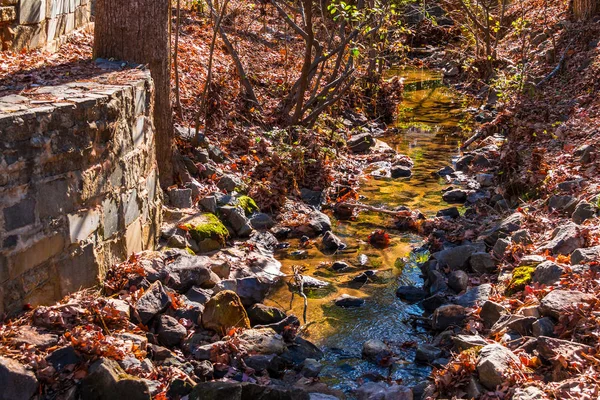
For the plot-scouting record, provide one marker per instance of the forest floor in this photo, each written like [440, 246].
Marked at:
[511, 289]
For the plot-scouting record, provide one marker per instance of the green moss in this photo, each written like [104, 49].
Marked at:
[209, 227]
[520, 278]
[190, 251]
[248, 204]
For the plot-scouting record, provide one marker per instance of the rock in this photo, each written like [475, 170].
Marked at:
[364, 277]
[466, 342]
[260, 314]
[557, 302]
[188, 271]
[300, 350]
[235, 217]
[262, 341]
[361, 143]
[584, 211]
[522, 236]
[381, 391]
[17, 383]
[230, 183]
[347, 301]
[551, 348]
[279, 327]
[251, 290]
[463, 163]
[531, 260]
[63, 357]
[437, 282]
[500, 247]
[332, 242]
[504, 228]
[154, 301]
[565, 240]
[223, 311]
[458, 281]
[517, 323]
[571, 185]
[494, 362]
[548, 273]
[475, 296]
[455, 257]
[474, 389]
[180, 198]
[170, 331]
[319, 222]
[178, 242]
[564, 204]
[427, 353]
[375, 351]
[485, 180]
[412, 294]
[529, 393]
[455, 196]
[491, 312]
[208, 231]
[259, 362]
[400, 171]
[447, 170]
[543, 327]
[34, 337]
[340, 266]
[451, 212]
[243, 390]
[312, 197]
[430, 304]
[311, 368]
[209, 203]
[531, 311]
[585, 153]
[262, 221]
[482, 262]
[106, 380]
[585, 256]
[448, 315]
[198, 295]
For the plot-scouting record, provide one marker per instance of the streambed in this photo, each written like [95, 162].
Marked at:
[431, 116]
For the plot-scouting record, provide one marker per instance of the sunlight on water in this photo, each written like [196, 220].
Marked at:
[430, 117]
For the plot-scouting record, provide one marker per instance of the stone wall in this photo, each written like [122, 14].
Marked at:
[33, 24]
[78, 186]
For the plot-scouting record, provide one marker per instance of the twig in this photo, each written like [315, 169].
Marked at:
[368, 208]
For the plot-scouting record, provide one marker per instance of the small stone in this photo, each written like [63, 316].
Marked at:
[427, 353]
[17, 383]
[63, 357]
[475, 296]
[180, 198]
[531, 311]
[547, 273]
[375, 351]
[558, 302]
[411, 294]
[347, 301]
[495, 361]
[448, 315]
[400, 171]
[178, 242]
[458, 281]
[311, 368]
[170, 331]
[260, 314]
[585, 256]
[361, 143]
[340, 266]
[522, 237]
[224, 311]
[500, 247]
[209, 203]
[262, 221]
[543, 327]
[491, 312]
[485, 180]
[513, 322]
[466, 342]
[529, 393]
[154, 301]
[551, 348]
[447, 170]
[455, 196]
[364, 277]
[584, 211]
[566, 239]
[332, 242]
[230, 183]
[482, 263]
[455, 257]
[319, 222]
[451, 212]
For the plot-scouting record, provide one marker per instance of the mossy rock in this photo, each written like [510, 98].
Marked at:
[521, 276]
[223, 311]
[208, 231]
[248, 204]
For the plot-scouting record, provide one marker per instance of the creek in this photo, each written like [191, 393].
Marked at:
[431, 116]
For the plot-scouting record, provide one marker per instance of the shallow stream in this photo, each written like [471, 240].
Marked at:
[430, 117]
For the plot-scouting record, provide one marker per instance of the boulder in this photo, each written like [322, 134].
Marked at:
[332, 243]
[494, 362]
[455, 257]
[548, 273]
[375, 351]
[17, 383]
[319, 222]
[427, 353]
[235, 217]
[260, 314]
[458, 281]
[447, 316]
[199, 295]
[170, 331]
[347, 301]
[224, 311]
[583, 212]
[585, 256]
[154, 301]
[361, 143]
[383, 391]
[557, 302]
[455, 196]
[564, 204]
[230, 183]
[482, 262]
[262, 341]
[106, 380]
[412, 294]
[251, 290]
[300, 350]
[565, 240]
[188, 271]
[491, 312]
[207, 230]
[475, 296]
[400, 171]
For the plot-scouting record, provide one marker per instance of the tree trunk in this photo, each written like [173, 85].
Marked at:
[139, 31]
[585, 9]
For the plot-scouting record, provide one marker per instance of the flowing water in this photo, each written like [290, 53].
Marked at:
[430, 119]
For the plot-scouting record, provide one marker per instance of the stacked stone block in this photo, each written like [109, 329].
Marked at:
[32, 24]
[79, 187]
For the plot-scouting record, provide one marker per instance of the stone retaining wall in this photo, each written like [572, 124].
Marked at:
[33, 24]
[78, 186]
